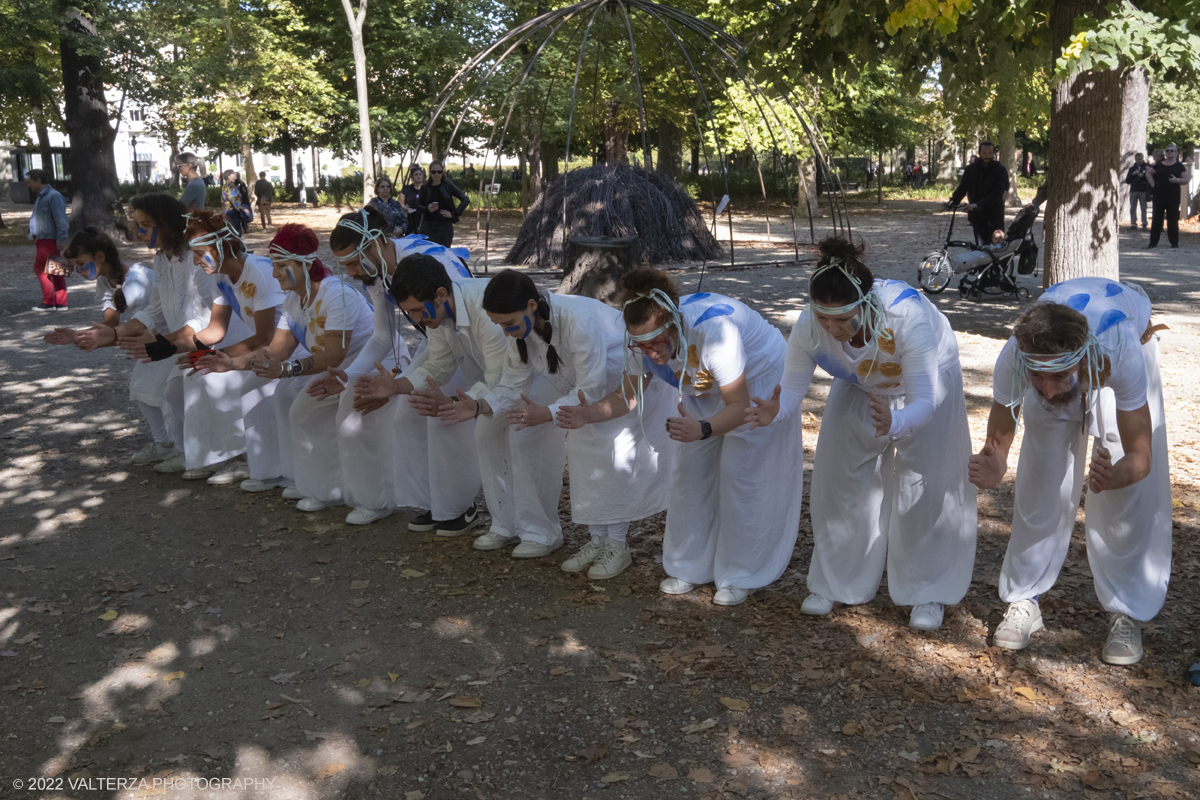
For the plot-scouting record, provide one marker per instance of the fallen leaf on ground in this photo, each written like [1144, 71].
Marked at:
[329, 770]
[1028, 693]
[733, 704]
[283, 677]
[1093, 780]
[476, 740]
[663, 772]
[362, 683]
[615, 777]
[1124, 718]
[109, 615]
[699, 726]
[701, 775]
[174, 676]
[593, 752]
[411, 573]
[851, 728]
[26, 639]
[388, 770]
[393, 676]
[245, 579]
[417, 795]
[466, 701]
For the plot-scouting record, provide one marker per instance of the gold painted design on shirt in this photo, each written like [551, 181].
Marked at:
[887, 385]
[249, 290]
[693, 359]
[888, 345]
[867, 368]
[889, 369]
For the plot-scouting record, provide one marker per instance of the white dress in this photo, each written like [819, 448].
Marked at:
[336, 305]
[616, 469]
[902, 500]
[213, 428]
[368, 447]
[734, 512]
[465, 353]
[1128, 530]
[182, 297]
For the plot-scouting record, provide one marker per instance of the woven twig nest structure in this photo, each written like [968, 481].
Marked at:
[618, 201]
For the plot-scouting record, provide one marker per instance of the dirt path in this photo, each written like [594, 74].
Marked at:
[153, 629]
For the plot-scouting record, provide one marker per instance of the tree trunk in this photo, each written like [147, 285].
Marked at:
[367, 161]
[616, 138]
[670, 150]
[595, 266]
[173, 143]
[1085, 153]
[288, 180]
[695, 158]
[43, 136]
[549, 161]
[95, 189]
[530, 157]
[1006, 136]
[247, 154]
[1135, 112]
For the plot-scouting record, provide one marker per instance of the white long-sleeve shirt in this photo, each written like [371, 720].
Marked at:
[922, 347]
[182, 297]
[589, 338]
[138, 289]
[470, 342]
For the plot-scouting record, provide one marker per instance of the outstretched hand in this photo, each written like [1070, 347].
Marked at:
[986, 468]
[881, 416]
[95, 336]
[528, 414]
[465, 409]
[60, 336]
[135, 346]
[763, 412]
[428, 402]
[574, 417]
[373, 390]
[329, 383]
[685, 427]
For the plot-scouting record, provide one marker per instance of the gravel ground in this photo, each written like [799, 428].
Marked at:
[157, 630]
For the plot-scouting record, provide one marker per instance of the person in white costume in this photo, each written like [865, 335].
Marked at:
[889, 484]
[326, 322]
[213, 428]
[461, 362]
[579, 354]
[733, 511]
[374, 457]
[1083, 361]
[122, 291]
[181, 299]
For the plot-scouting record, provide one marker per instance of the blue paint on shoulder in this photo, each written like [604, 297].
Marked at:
[1111, 317]
[692, 298]
[712, 312]
[1113, 288]
[299, 330]
[226, 290]
[905, 295]
[1078, 301]
[663, 371]
[390, 300]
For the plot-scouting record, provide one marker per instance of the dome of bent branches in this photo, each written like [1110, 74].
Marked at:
[615, 200]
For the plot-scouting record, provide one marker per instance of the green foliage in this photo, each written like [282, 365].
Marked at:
[30, 72]
[1174, 112]
[1164, 36]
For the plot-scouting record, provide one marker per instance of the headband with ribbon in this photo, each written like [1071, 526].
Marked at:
[1025, 363]
[872, 315]
[661, 299]
[218, 238]
[369, 236]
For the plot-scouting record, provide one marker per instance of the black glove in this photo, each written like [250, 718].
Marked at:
[161, 348]
[201, 345]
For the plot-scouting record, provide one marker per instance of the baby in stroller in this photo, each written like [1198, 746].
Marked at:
[987, 269]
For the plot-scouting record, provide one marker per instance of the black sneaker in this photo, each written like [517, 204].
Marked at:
[422, 522]
[459, 525]
[49, 307]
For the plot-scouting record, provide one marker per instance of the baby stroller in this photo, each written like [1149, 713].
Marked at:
[985, 270]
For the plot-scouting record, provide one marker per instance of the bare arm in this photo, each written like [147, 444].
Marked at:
[264, 329]
[1136, 432]
[987, 467]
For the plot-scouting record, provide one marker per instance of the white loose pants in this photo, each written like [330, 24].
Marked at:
[734, 510]
[906, 505]
[1128, 530]
[522, 474]
[213, 430]
[265, 407]
[316, 463]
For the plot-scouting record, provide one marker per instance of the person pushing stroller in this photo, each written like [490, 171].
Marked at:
[984, 183]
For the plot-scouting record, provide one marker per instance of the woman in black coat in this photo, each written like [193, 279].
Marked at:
[436, 203]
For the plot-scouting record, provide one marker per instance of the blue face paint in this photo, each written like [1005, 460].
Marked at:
[430, 310]
[89, 269]
[528, 327]
[291, 276]
[209, 260]
[855, 324]
[154, 236]
[449, 310]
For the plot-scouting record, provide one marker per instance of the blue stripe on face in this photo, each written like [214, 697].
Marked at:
[430, 310]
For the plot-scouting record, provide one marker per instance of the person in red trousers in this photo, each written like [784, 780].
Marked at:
[47, 227]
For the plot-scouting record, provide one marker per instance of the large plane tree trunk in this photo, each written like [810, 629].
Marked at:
[1135, 114]
[1085, 153]
[367, 161]
[95, 189]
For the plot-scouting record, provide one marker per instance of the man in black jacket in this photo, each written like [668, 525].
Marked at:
[984, 183]
[1138, 186]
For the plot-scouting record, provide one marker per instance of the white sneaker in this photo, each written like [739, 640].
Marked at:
[173, 463]
[494, 541]
[152, 453]
[235, 471]
[255, 485]
[816, 605]
[292, 493]
[200, 473]
[584, 558]
[365, 516]
[927, 617]
[731, 596]
[1124, 645]
[614, 558]
[1021, 621]
[534, 550]
[675, 586]
[312, 504]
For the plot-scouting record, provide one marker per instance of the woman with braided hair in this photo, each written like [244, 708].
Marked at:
[246, 294]
[567, 349]
[733, 510]
[883, 493]
[325, 322]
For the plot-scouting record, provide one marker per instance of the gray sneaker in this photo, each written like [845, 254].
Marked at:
[1124, 645]
[584, 558]
[1021, 621]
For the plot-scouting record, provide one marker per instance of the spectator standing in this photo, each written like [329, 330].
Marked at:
[236, 198]
[1135, 178]
[436, 202]
[1165, 180]
[391, 208]
[264, 192]
[194, 190]
[47, 227]
[984, 183]
[410, 193]
[918, 175]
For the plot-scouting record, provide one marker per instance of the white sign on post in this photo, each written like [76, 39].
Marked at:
[492, 188]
